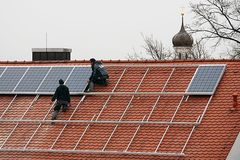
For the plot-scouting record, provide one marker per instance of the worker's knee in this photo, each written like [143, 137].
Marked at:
[54, 115]
[64, 108]
[57, 107]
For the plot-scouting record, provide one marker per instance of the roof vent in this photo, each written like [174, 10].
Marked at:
[46, 54]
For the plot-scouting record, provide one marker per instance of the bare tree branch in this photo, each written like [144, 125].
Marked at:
[199, 50]
[217, 19]
[155, 50]
[152, 48]
[235, 52]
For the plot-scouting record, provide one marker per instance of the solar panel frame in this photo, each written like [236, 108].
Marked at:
[198, 85]
[2, 70]
[21, 79]
[34, 76]
[43, 79]
[15, 89]
[11, 77]
[51, 81]
[74, 77]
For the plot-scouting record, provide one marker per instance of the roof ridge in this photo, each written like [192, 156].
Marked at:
[118, 61]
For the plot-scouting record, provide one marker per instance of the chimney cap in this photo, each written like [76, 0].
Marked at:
[45, 54]
[51, 50]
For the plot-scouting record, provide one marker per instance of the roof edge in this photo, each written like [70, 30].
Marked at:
[119, 61]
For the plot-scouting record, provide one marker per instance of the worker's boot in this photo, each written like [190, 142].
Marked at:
[91, 87]
[54, 116]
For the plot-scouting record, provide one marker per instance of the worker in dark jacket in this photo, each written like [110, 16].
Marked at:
[63, 99]
[99, 74]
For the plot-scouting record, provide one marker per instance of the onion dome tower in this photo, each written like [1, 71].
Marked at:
[182, 43]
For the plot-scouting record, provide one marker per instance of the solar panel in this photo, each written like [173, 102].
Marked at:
[11, 77]
[2, 70]
[50, 83]
[34, 76]
[78, 79]
[43, 79]
[206, 79]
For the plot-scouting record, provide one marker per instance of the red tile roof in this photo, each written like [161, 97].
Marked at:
[116, 137]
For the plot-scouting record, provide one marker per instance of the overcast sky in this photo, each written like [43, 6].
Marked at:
[104, 29]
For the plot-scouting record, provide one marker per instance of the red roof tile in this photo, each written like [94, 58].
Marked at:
[212, 139]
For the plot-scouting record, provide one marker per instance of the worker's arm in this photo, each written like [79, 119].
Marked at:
[55, 95]
[68, 96]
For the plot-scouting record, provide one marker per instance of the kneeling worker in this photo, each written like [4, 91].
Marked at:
[99, 75]
[63, 99]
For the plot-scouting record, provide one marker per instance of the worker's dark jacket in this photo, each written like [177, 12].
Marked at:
[98, 71]
[62, 93]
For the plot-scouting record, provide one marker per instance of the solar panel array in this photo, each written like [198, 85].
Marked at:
[43, 79]
[206, 79]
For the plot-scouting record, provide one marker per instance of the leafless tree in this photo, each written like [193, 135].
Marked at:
[235, 52]
[136, 56]
[199, 50]
[155, 48]
[152, 48]
[217, 20]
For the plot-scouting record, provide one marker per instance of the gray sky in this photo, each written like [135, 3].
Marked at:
[104, 29]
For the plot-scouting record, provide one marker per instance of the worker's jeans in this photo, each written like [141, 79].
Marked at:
[99, 80]
[57, 108]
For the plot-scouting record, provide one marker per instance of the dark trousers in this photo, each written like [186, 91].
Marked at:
[100, 80]
[59, 104]
[97, 80]
[57, 108]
